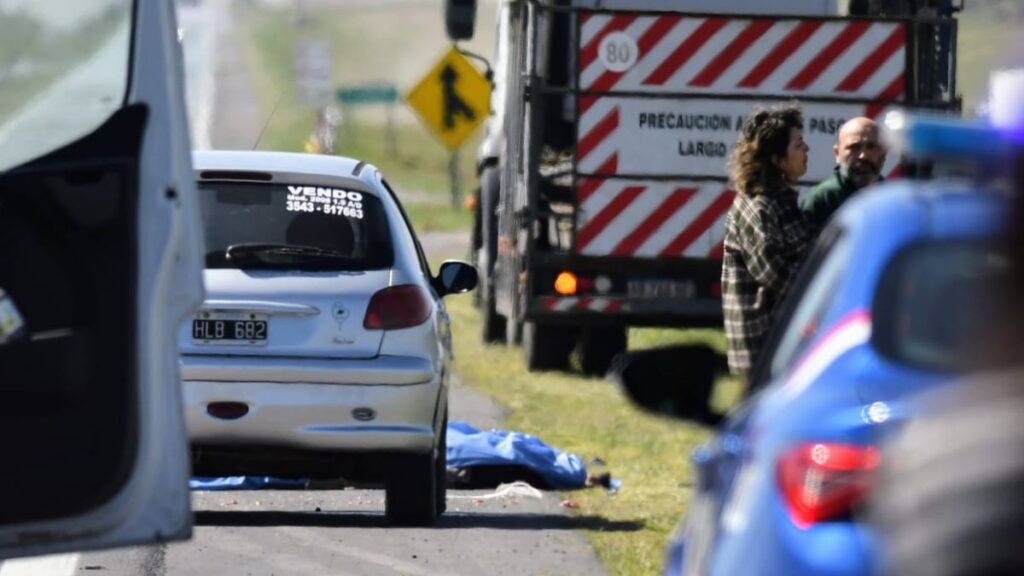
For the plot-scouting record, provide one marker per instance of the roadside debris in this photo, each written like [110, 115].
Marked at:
[513, 490]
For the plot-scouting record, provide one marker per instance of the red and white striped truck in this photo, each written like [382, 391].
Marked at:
[603, 184]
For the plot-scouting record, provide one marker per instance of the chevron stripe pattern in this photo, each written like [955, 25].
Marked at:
[768, 59]
[757, 57]
[586, 304]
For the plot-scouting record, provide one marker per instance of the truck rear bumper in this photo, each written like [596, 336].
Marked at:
[626, 310]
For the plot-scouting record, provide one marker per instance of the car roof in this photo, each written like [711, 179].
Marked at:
[884, 221]
[288, 167]
[947, 208]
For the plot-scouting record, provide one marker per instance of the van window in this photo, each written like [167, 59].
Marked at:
[64, 69]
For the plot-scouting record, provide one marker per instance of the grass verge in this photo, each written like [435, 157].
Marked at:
[590, 417]
[45, 55]
[409, 157]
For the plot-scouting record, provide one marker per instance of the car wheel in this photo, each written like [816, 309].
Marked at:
[546, 347]
[598, 347]
[410, 491]
[441, 469]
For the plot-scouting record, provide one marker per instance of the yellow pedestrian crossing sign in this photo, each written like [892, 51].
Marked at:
[452, 99]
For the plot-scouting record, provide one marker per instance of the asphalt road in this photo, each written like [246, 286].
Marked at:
[337, 531]
[342, 532]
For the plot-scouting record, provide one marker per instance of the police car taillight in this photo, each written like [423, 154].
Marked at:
[823, 481]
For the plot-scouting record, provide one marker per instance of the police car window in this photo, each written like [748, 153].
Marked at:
[296, 227]
[64, 69]
[937, 306]
[804, 324]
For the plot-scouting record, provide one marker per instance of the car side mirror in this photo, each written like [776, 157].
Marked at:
[675, 381]
[455, 277]
[459, 19]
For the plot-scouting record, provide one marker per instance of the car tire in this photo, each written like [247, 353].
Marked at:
[598, 347]
[441, 469]
[411, 490]
[546, 347]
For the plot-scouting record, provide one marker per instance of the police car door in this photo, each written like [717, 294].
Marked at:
[99, 262]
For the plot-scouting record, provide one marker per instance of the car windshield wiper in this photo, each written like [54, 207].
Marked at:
[259, 252]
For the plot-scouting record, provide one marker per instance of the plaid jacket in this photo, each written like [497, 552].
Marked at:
[766, 237]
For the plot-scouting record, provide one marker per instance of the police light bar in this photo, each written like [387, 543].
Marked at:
[935, 137]
[932, 137]
[1006, 103]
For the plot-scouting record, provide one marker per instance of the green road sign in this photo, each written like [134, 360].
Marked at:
[369, 94]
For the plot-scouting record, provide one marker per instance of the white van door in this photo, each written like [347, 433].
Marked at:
[99, 263]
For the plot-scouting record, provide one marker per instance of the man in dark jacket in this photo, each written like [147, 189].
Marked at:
[860, 156]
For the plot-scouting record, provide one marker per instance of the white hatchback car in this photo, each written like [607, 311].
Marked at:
[323, 346]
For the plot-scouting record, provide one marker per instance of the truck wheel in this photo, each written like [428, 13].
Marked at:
[493, 325]
[514, 327]
[476, 248]
[546, 347]
[513, 332]
[598, 346]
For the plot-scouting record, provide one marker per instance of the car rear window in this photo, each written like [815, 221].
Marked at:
[280, 226]
[937, 306]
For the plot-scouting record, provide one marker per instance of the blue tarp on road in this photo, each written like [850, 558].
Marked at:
[469, 447]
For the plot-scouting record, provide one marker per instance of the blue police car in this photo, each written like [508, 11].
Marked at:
[895, 298]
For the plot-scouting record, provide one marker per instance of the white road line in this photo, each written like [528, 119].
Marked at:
[55, 565]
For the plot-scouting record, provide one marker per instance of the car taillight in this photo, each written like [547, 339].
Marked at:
[822, 481]
[397, 307]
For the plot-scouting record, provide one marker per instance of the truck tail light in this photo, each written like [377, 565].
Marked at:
[569, 283]
[822, 481]
[566, 283]
[397, 307]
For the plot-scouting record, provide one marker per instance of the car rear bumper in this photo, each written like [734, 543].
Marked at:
[316, 416]
[379, 370]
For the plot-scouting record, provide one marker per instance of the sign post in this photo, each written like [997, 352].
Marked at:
[452, 100]
[313, 72]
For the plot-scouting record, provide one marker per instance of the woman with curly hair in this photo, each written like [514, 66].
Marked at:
[766, 235]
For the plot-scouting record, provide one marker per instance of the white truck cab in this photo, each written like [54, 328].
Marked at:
[99, 263]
